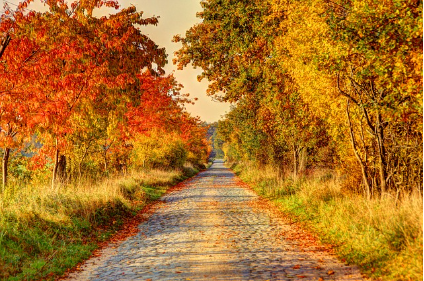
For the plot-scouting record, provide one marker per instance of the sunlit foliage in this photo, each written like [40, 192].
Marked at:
[317, 83]
[78, 92]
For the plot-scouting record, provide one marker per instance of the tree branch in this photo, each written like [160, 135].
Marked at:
[4, 44]
[344, 93]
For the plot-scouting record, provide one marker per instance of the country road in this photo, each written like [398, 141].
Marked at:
[215, 228]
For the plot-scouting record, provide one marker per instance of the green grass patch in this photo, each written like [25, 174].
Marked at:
[382, 236]
[43, 232]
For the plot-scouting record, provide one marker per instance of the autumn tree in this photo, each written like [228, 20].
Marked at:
[18, 58]
[237, 56]
[230, 45]
[88, 61]
[87, 87]
[305, 76]
[364, 59]
[382, 78]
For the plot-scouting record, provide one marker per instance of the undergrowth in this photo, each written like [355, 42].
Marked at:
[382, 236]
[43, 231]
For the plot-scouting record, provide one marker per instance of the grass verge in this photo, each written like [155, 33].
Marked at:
[382, 236]
[43, 232]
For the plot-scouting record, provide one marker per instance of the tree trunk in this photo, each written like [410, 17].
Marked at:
[56, 161]
[381, 155]
[4, 44]
[294, 161]
[80, 163]
[5, 163]
[303, 157]
[105, 149]
[61, 168]
[79, 170]
[358, 157]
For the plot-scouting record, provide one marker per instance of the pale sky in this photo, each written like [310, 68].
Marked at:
[176, 16]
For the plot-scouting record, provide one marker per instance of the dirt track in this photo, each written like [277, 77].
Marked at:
[215, 228]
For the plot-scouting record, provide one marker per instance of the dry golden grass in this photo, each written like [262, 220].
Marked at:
[38, 222]
[60, 203]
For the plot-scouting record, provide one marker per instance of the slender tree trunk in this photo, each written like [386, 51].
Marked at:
[5, 163]
[61, 168]
[294, 161]
[56, 161]
[4, 43]
[105, 160]
[80, 163]
[79, 171]
[105, 149]
[367, 186]
[381, 155]
[303, 158]
[355, 151]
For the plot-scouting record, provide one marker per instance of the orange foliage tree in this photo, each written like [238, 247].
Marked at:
[83, 85]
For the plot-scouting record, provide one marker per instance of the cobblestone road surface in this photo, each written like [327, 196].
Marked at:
[212, 229]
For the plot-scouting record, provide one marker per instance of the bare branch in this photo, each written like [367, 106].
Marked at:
[344, 93]
[4, 44]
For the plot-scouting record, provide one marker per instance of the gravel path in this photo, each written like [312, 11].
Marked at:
[215, 229]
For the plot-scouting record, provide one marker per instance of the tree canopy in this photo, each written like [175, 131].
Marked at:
[87, 89]
[334, 83]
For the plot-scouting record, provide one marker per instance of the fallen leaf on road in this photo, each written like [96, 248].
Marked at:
[318, 267]
[297, 266]
[330, 272]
